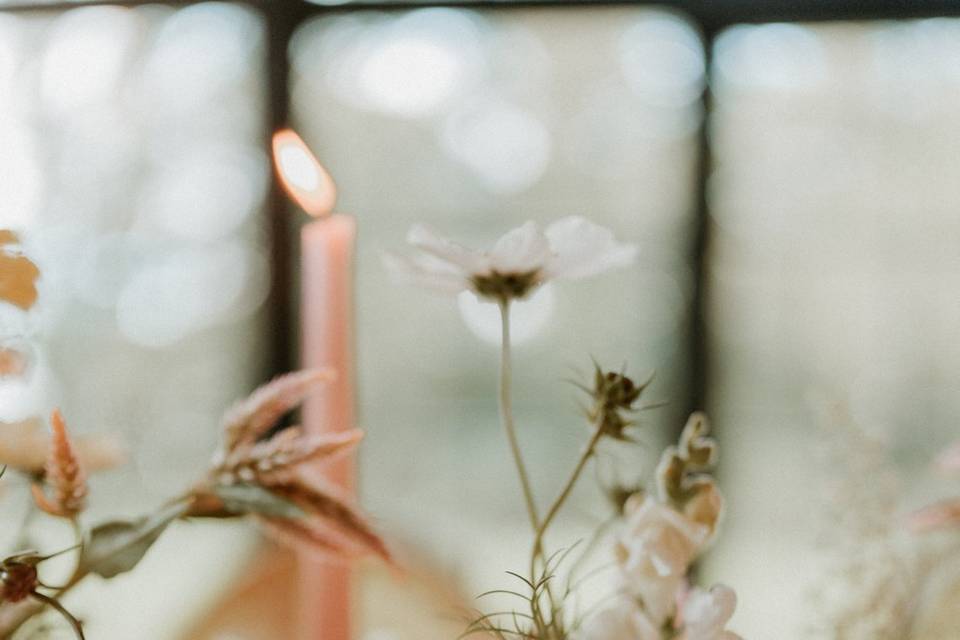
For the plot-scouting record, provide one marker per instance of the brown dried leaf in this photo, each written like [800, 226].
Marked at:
[251, 418]
[18, 274]
[331, 514]
[118, 546]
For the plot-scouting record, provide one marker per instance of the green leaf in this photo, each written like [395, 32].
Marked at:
[116, 547]
[251, 498]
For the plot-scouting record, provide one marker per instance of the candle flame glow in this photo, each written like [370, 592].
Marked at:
[302, 176]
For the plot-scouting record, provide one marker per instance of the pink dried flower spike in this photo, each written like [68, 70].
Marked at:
[254, 416]
[64, 474]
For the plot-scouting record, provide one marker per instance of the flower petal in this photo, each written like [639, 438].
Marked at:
[582, 249]
[252, 417]
[425, 271]
[622, 620]
[706, 613]
[426, 239]
[520, 250]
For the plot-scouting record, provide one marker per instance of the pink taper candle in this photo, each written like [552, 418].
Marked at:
[326, 312]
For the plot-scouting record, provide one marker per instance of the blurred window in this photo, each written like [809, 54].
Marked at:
[474, 121]
[132, 160]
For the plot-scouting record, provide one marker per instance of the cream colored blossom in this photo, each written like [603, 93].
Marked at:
[706, 613]
[654, 551]
[521, 260]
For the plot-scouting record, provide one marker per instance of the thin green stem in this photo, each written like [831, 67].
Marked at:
[562, 498]
[506, 415]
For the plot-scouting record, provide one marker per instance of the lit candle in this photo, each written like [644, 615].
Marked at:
[326, 305]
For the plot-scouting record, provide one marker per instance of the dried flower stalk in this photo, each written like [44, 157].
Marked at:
[271, 476]
[25, 446]
[286, 450]
[251, 418]
[64, 474]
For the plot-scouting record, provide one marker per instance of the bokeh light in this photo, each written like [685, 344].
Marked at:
[770, 56]
[662, 58]
[507, 147]
[85, 57]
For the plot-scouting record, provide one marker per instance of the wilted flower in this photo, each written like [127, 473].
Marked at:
[622, 620]
[518, 262]
[18, 577]
[682, 477]
[706, 613]
[19, 580]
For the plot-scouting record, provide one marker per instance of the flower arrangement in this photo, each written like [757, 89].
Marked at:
[660, 532]
[653, 538]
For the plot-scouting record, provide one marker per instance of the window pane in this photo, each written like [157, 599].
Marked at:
[835, 267]
[475, 122]
[131, 156]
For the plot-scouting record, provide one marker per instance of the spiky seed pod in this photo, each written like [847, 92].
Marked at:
[252, 417]
[64, 475]
[614, 395]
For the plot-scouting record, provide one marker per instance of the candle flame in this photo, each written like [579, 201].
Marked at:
[302, 176]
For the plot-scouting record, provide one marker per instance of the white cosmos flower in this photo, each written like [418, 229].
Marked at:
[706, 613]
[622, 620]
[518, 262]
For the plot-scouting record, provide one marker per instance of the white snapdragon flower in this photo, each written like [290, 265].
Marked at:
[654, 551]
[518, 262]
[622, 620]
[706, 613]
